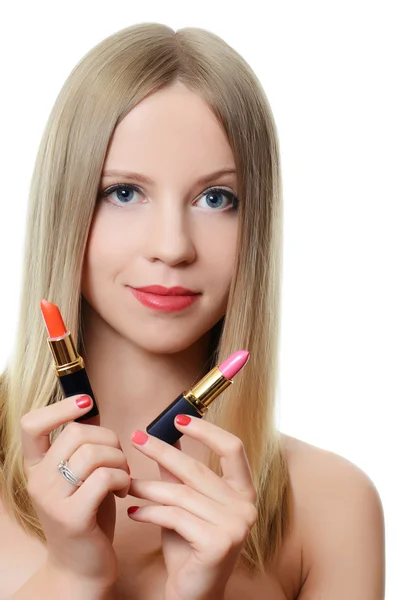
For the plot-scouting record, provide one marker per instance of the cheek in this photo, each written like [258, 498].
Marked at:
[108, 243]
[218, 249]
[99, 246]
[102, 258]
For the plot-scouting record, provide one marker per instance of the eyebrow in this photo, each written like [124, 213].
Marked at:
[147, 181]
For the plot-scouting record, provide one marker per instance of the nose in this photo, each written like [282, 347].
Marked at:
[169, 238]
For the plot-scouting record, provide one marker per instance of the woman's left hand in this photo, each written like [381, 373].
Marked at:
[205, 518]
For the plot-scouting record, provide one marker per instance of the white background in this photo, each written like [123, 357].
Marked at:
[329, 71]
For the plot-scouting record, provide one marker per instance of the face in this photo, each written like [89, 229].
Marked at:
[158, 223]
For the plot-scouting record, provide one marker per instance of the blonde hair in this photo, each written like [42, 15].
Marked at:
[107, 83]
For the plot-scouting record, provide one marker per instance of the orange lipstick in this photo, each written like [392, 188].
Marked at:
[53, 319]
[68, 364]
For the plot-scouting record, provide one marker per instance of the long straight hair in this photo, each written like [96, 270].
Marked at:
[107, 83]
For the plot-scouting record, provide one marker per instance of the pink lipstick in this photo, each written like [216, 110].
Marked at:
[165, 299]
[196, 401]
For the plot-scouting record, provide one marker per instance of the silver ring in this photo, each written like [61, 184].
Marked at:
[67, 474]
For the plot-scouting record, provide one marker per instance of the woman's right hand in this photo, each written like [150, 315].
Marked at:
[78, 522]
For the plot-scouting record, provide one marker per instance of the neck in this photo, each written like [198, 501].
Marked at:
[131, 385]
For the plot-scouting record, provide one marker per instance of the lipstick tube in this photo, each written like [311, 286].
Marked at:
[68, 364]
[195, 402]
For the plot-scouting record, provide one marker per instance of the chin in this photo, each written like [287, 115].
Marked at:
[166, 348]
[172, 343]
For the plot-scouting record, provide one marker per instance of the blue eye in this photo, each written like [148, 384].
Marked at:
[218, 198]
[213, 198]
[122, 192]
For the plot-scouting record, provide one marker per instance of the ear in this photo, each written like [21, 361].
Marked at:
[166, 475]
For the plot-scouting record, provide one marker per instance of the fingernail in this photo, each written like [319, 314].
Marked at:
[182, 419]
[84, 402]
[138, 437]
[132, 509]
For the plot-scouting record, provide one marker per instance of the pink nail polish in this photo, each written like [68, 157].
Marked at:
[84, 402]
[138, 437]
[182, 419]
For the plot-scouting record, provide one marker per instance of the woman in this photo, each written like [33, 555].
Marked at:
[159, 166]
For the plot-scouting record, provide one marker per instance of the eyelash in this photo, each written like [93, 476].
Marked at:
[113, 188]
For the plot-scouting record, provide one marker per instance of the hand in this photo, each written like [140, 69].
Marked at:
[205, 518]
[78, 522]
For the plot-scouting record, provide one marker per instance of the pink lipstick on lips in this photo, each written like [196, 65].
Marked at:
[196, 401]
[165, 299]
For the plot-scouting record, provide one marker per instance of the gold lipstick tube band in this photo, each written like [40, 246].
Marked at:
[66, 358]
[206, 390]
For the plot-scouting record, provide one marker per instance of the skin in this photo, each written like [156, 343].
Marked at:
[170, 237]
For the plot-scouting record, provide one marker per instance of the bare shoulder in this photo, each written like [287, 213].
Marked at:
[20, 554]
[309, 465]
[339, 517]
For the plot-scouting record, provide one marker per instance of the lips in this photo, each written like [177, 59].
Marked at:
[163, 291]
[165, 299]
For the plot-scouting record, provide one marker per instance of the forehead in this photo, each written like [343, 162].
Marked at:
[173, 131]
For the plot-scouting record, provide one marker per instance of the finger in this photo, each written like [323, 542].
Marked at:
[37, 425]
[73, 437]
[211, 543]
[171, 494]
[188, 470]
[166, 475]
[89, 457]
[88, 497]
[234, 463]
[195, 531]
